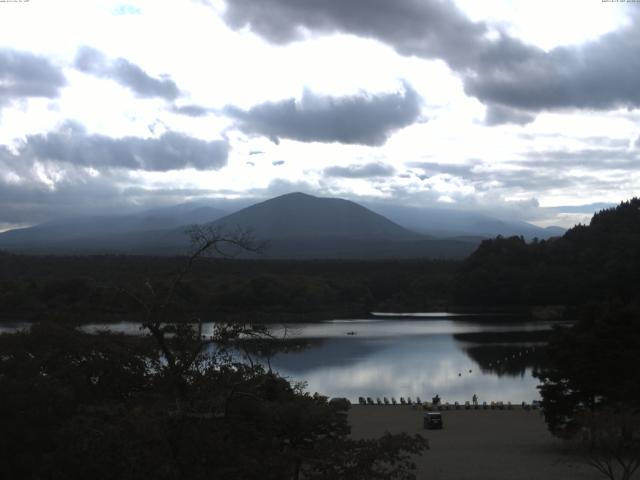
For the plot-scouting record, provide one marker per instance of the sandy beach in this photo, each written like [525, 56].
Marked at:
[477, 444]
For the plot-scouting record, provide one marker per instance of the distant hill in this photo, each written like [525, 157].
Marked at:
[300, 215]
[599, 261]
[104, 233]
[296, 225]
[301, 226]
[450, 222]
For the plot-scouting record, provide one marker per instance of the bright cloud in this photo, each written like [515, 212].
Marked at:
[478, 104]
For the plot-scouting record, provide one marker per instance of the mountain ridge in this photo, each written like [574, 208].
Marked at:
[299, 214]
[296, 225]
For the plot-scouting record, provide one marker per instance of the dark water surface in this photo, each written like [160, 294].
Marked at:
[396, 355]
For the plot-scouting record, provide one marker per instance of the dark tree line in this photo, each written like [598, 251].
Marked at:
[88, 288]
[174, 403]
[591, 375]
[598, 262]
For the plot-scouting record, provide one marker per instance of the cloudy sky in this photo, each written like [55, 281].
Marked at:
[510, 106]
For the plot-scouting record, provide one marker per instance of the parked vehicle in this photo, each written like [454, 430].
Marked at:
[433, 420]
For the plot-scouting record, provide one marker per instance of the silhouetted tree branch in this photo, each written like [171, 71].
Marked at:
[182, 343]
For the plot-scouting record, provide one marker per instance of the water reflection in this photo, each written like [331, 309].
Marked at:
[454, 358]
[506, 360]
[396, 358]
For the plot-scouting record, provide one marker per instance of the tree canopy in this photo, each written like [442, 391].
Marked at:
[600, 261]
[173, 403]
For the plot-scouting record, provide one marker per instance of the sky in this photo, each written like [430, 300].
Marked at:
[520, 108]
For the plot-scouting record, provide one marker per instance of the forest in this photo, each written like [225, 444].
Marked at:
[93, 288]
[590, 383]
[589, 263]
[173, 404]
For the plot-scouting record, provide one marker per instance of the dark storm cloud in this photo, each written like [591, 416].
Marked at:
[368, 170]
[513, 78]
[25, 75]
[425, 28]
[600, 74]
[72, 145]
[127, 74]
[364, 119]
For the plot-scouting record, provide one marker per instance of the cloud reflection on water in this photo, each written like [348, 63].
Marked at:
[404, 365]
[395, 358]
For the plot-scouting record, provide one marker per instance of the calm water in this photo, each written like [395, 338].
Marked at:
[394, 356]
[400, 357]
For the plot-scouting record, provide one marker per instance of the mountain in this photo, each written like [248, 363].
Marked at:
[104, 233]
[301, 226]
[296, 225]
[299, 215]
[554, 231]
[449, 222]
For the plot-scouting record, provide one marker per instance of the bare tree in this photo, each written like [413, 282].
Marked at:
[181, 342]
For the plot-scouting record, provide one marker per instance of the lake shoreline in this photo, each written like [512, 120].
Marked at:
[461, 313]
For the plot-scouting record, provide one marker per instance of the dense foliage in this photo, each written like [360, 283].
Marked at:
[74, 405]
[90, 288]
[173, 403]
[597, 262]
[592, 365]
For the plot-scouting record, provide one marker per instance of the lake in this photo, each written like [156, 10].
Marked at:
[396, 357]
[401, 355]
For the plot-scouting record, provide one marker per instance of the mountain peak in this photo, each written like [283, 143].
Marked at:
[295, 195]
[298, 214]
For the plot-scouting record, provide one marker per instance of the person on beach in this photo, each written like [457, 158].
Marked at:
[474, 399]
